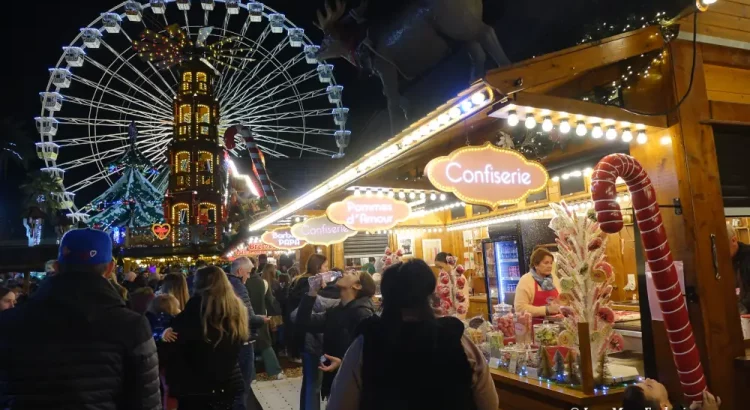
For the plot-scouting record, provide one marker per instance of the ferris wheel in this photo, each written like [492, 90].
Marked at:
[268, 80]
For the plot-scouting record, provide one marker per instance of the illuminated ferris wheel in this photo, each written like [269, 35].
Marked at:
[269, 80]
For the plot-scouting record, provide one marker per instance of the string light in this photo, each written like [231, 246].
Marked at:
[581, 129]
[597, 132]
[627, 135]
[513, 118]
[564, 126]
[547, 124]
[611, 133]
[530, 121]
[641, 138]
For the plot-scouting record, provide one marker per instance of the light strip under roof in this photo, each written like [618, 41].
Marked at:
[465, 105]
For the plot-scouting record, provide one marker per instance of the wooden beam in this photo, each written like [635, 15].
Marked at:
[717, 326]
[726, 56]
[729, 113]
[574, 60]
[727, 84]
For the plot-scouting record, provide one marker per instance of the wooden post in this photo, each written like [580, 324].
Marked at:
[714, 312]
[587, 366]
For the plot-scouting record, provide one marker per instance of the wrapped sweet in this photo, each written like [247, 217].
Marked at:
[445, 305]
[444, 291]
[461, 309]
[505, 323]
[476, 335]
[460, 282]
[445, 280]
[546, 334]
[523, 328]
[460, 297]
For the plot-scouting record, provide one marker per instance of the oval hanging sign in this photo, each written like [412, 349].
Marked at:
[282, 238]
[321, 231]
[487, 175]
[363, 213]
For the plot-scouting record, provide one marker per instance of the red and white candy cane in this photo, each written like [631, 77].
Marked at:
[658, 254]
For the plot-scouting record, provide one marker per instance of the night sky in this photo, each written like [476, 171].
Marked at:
[36, 31]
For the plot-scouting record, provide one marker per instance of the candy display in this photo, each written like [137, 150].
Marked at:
[546, 334]
[452, 290]
[586, 281]
[523, 328]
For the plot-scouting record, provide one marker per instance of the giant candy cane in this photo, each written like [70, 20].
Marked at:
[259, 166]
[656, 245]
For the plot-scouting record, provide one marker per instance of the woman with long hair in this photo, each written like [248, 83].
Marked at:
[176, 285]
[401, 356]
[203, 371]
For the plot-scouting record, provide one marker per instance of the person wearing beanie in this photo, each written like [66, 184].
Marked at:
[400, 357]
[75, 345]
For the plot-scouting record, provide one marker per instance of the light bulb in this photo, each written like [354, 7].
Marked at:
[597, 131]
[466, 105]
[513, 118]
[547, 124]
[422, 196]
[454, 112]
[356, 192]
[401, 195]
[641, 138]
[611, 133]
[576, 174]
[478, 98]
[433, 197]
[555, 179]
[390, 194]
[565, 126]
[565, 176]
[442, 197]
[530, 121]
[581, 129]
[412, 195]
[368, 193]
[379, 194]
[627, 135]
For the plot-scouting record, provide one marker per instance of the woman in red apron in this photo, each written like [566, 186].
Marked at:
[538, 289]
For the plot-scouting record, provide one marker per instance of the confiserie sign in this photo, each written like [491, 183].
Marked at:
[487, 175]
[282, 238]
[362, 213]
[321, 231]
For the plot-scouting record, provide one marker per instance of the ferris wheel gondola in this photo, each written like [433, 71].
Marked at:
[269, 79]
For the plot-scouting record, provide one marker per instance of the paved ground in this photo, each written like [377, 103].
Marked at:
[279, 394]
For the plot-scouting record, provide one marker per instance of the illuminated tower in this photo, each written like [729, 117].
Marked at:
[194, 203]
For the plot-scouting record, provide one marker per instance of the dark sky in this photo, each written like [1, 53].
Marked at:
[36, 31]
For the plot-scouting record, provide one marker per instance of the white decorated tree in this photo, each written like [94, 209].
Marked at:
[586, 280]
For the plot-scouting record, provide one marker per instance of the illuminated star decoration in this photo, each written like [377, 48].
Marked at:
[174, 47]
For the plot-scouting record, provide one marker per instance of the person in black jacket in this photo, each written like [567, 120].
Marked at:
[740, 253]
[202, 367]
[75, 345]
[338, 324]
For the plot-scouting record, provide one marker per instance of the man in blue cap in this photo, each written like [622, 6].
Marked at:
[75, 345]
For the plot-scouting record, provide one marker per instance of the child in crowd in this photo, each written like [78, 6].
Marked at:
[161, 311]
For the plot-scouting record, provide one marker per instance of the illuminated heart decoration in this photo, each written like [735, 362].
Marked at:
[161, 231]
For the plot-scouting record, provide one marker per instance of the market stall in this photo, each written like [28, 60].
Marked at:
[536, 132]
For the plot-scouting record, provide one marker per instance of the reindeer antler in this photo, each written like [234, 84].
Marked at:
[332, 14]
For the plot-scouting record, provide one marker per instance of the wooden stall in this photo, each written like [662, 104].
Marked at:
[664, 118]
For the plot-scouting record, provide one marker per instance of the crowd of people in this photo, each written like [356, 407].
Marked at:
[86, 339]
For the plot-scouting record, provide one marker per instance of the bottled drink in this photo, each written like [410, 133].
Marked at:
[323, 278]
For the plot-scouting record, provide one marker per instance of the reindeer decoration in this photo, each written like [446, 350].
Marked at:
[408, 44]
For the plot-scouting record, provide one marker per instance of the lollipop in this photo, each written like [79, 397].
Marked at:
[460, 282]
[444, 291]
[460, 269]
[445, 280]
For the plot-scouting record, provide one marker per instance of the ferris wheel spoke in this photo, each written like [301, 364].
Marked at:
[222, 90]
[280, 70]
[138, 72]
[268, 58]
[118, 109]
[288, 116]
[290, 144]
[247, 98]
[120, 77]
[120, 95]
[93, 139]
[110, 122]
[86, 182]
[272, 152]
[109, 153]
[275, 104]
[293, 130]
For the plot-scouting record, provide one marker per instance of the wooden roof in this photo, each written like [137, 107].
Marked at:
[726, 22]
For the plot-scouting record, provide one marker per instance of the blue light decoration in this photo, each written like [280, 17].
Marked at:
[118, 235]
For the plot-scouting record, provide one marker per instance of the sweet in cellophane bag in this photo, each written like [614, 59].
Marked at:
[452, 290]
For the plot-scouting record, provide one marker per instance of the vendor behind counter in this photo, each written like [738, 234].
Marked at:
[538, 290]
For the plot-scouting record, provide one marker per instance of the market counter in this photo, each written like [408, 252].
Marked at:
[523, 393]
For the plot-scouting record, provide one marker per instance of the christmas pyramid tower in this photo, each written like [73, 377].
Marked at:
[132, 201]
